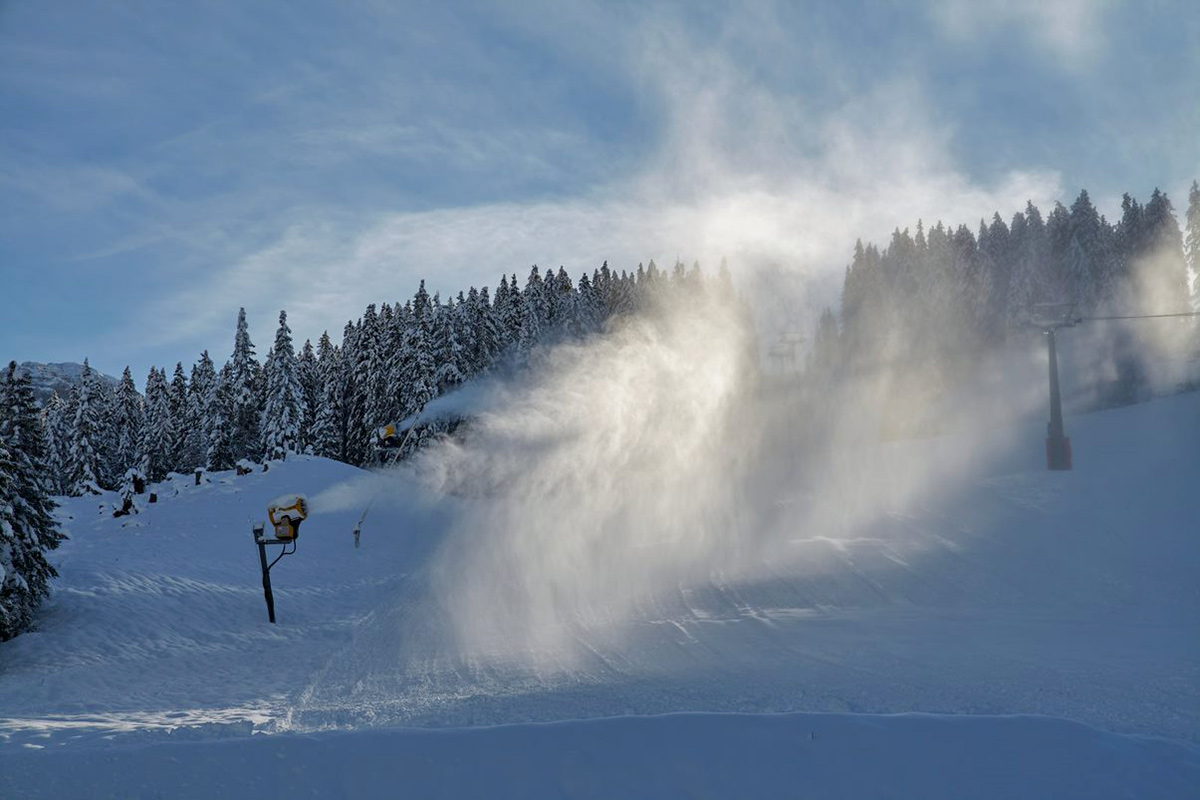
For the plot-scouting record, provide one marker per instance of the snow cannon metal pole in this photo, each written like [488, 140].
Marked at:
[286, 513]
[1058, 445]
[266, 570]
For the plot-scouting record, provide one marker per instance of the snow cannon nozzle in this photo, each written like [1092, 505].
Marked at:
[286, 513]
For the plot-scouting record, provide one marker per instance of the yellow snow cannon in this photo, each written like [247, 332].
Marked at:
[286, 513]
[387, 437]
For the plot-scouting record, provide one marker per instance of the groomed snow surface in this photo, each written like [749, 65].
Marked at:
[1032, 635]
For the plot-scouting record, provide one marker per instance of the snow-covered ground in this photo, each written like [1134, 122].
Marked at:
[1025, 634]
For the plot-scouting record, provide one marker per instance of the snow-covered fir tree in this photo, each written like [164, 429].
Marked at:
[128, 418]
[85, 456]
[1087, 253]
[1028, 253]
[417, 372]
[586, 311]
[501, 308]
[200, 393]
[310, 386]
[1165, 275]
[364, 402]
[283, 411]
[463, 320]
[354, 447]
[246, 390]
[447, 352]
[532, 314]
[326, 427]
[489, 340]
[178, 394]
[514, 314]
[55, 422]
[220, 424]
[27, 526]
[158, 433]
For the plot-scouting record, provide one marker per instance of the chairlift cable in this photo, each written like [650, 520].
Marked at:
[1146, 316]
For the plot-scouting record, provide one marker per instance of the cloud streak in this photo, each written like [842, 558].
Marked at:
[1072, 31]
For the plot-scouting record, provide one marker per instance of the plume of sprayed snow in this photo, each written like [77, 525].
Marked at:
[612, 473]
[652, 459]
[355, 494]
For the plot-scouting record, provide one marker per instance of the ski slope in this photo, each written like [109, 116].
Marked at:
[1022, 633]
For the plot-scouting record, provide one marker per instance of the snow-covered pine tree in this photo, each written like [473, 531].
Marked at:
[178, 396]
[602, 282]
[901, 274]
[516, 311]
[27, 526]
[448, 354]
[1087, 258]
[385, 401]
[653, 274]
[549, 319]
[310, 386]
[365, 406]
[326, 428]
[417, 372]
[501, 309]
[1164, 280]
[354, 446]
[246, 395]
[128, 419]
[586, 311]
[420, 370]
[1029, 253]
[21, 426]
[421, 303]
[200, 393]
[158, 433]
[55, 422]
[489, 336]
[86, 459]
[283, 412]
[563, 299]
[463, 320]
[1058, 247]
[1128, 243]
[219, 422]
[629, 295]
[996, 255]
[27, 533]
[106, 405]
[964, 324]
[533, 314]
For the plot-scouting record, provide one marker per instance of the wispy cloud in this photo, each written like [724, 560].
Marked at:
[1072, 31]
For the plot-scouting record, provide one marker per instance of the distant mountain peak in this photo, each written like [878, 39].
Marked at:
[58, 377]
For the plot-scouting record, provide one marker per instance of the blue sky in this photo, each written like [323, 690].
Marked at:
[163, 164]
